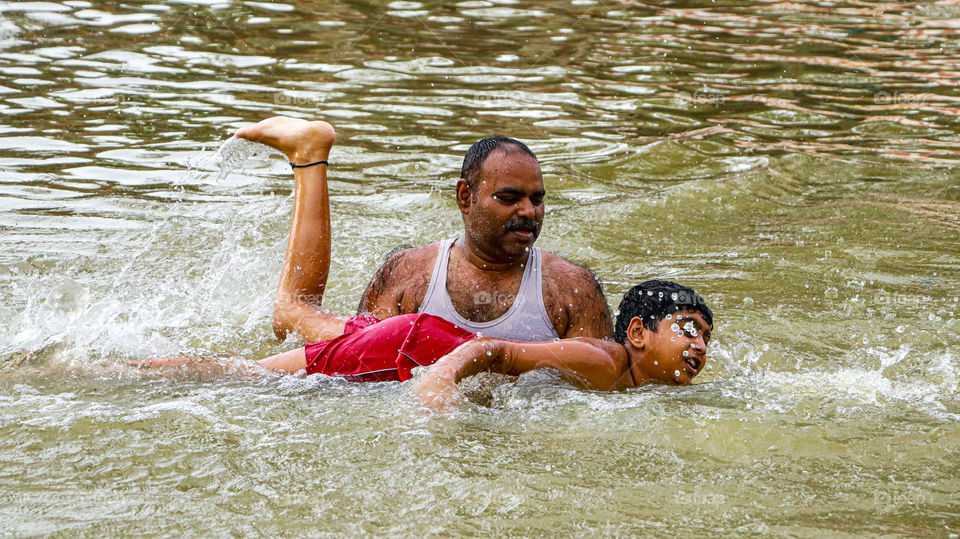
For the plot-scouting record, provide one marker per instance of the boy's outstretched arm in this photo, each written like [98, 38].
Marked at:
[595, 363]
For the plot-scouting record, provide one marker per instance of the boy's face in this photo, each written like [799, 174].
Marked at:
[677, 351]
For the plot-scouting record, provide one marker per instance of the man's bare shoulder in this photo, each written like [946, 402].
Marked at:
[401, 282]
[573, 296]
[573, 276]
[413, 258]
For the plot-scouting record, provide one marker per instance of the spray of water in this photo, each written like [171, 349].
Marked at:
[233, 153]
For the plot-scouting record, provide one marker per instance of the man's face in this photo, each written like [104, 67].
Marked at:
[506, 209]
[678, 349]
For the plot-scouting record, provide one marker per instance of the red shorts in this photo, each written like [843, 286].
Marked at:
[373, 351]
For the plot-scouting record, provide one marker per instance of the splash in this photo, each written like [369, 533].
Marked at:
[233, 153]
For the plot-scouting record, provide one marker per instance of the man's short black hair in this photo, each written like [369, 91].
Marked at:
[481, 149]
[652, 301]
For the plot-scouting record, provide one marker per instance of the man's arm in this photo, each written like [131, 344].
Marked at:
[596, 364]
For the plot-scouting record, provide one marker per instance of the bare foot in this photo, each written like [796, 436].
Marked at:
[301, 141]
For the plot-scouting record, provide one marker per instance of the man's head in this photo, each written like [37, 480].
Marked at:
[670, 324]
[500, 194]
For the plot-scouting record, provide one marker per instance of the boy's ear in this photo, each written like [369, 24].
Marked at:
[637, 334]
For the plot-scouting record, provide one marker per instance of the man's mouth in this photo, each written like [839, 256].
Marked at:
[524, 228]
[694, 364]
[525, 234]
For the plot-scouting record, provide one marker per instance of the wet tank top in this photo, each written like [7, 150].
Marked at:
[526, 320]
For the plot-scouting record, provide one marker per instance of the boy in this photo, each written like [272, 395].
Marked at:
[662, 331]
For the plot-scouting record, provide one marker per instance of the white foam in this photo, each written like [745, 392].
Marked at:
[233, 153]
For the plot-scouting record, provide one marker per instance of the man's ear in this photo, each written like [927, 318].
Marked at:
[464, 196]
[637, 334]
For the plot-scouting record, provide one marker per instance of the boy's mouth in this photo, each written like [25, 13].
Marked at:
[694, 363]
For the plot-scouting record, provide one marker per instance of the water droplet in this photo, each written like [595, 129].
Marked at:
[674, 296]
[686, 353]
[489, 353]
[748, 301]
[675, 327]
[669, 317]
[656, 362]
[676, 373]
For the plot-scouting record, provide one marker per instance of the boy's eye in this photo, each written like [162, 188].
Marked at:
[690, 330]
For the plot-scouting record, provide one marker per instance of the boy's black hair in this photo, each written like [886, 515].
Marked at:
[652, 301]
[481, 149]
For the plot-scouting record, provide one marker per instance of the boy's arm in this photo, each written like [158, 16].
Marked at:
[595, 363]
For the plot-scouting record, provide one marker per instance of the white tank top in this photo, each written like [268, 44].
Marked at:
[526, 320]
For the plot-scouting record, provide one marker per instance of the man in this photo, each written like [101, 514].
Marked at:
[492, 282]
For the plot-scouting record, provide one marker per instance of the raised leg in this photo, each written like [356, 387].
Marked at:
[307, 262]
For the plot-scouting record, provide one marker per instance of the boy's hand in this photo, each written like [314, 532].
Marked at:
[438, 390]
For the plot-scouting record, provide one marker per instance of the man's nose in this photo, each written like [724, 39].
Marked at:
[525, 208]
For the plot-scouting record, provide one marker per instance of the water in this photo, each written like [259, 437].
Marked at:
[796, 163]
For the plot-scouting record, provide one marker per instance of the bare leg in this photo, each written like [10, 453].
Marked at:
[289, 362]
[307, 262]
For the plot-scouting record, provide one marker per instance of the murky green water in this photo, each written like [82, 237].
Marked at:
[796, 162]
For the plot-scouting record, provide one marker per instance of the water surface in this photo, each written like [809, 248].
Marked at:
[795, 162]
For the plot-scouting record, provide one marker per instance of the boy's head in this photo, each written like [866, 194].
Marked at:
[671, 324]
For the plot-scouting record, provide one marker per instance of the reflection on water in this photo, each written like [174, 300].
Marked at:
[793, 161]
